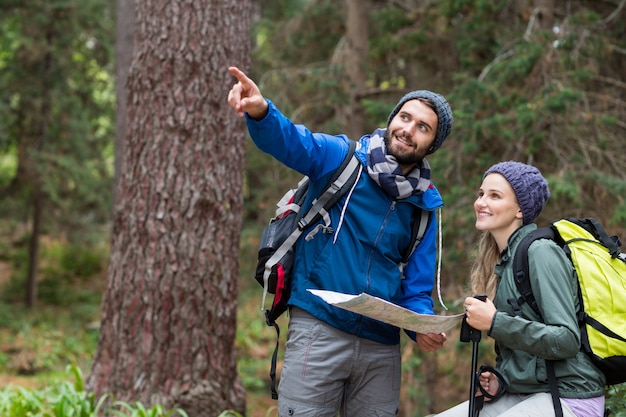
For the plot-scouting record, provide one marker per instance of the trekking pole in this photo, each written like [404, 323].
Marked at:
[469, 334]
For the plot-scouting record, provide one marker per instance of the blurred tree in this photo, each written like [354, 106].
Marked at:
[55, 118]
[169, 312]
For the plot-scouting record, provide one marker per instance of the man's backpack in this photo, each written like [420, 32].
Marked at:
[276, 249]
[601, 271]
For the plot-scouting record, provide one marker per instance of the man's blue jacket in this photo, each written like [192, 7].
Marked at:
[361, 255]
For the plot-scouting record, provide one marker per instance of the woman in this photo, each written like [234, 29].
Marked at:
[510, 198]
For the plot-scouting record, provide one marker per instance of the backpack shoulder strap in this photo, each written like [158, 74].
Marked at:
[521, 272]
[339, 184]
[418, 229]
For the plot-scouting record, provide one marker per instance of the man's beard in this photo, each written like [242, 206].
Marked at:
[402, 157]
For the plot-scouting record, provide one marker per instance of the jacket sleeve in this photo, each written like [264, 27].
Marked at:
[311, 154]
[557, 336]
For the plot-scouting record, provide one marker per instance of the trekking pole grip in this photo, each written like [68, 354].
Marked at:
[468, 333]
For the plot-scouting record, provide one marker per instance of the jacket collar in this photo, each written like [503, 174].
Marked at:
[513, 241]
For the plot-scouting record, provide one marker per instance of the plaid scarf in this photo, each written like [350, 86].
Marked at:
[384, 169]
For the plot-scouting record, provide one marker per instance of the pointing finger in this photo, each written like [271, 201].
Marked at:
[240, 75]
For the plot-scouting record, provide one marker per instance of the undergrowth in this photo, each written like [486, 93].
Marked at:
[66, 399]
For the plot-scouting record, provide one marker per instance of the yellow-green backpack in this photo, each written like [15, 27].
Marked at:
[601, 270]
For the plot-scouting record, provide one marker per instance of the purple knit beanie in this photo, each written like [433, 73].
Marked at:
[442, 108]
[531, 188]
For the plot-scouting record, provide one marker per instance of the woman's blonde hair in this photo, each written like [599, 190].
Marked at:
[482, 278]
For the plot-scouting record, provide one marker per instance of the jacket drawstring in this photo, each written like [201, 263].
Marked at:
[439, 250]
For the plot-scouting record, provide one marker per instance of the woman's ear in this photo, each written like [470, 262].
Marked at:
[519, 214]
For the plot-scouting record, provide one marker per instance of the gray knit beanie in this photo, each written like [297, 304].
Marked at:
[442, 108]
[531, 188]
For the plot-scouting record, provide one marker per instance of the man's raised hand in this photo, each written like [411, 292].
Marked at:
[245, 96]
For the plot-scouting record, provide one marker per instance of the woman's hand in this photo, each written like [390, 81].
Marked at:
[479, 314]
[489, 382]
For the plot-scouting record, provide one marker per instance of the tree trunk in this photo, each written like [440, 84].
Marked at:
[34, 173]
[124, 31]
[351, 57]
[169, 312]
[33, 247]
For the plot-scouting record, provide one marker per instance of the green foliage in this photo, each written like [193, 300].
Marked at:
[65, 267]
[616, 400]
[57, 113]
[8, 167]
[229, 413]
[481, 19]
[64, 399]
[80, 261]
[309, 19]
[387, 40]
[45, 341]
[564, 187]
[533, 102]
[58, 400]
[137, 409]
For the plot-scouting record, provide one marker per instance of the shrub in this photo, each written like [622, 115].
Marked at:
[66, 399]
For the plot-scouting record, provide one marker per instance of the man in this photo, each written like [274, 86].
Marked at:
[336, 360]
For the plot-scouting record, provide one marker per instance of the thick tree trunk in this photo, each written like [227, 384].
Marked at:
[169, 312]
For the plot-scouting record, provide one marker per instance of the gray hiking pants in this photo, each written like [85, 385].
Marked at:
[326, 371]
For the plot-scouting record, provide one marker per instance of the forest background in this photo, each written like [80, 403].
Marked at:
[543, 82]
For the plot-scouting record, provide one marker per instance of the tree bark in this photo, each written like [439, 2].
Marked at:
[124, 32]
[169, 312]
